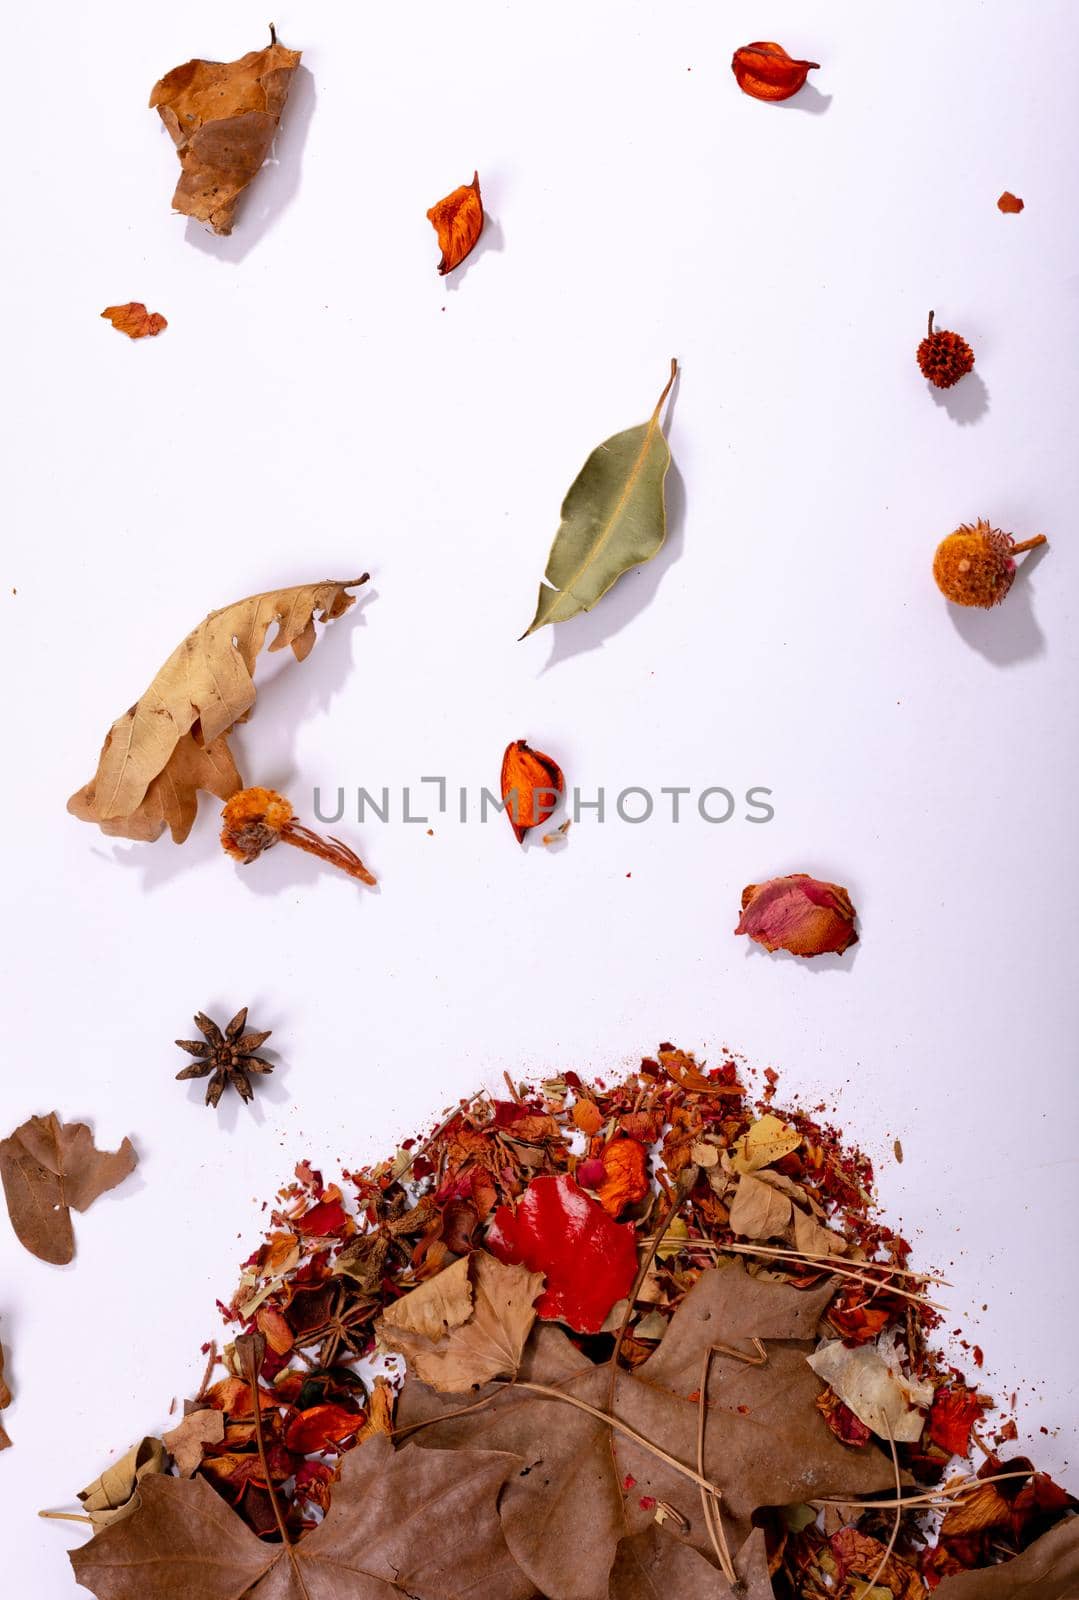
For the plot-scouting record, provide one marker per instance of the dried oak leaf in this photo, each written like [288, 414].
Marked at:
[379, 1541]
[186, 1443]
[584, 1488]
[173, 740]
[134, 320]
[466, 1325]
[1047, 1570]
[5, 1401]
[800, 914]
[114, 1495]
[532, 785]
[765, 71]
[656, 1566]
[458, 221]
[222, 117]
[589, 1260]
[48, 1167]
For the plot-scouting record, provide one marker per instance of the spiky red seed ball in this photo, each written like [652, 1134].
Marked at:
[974, 565]
[944, 358]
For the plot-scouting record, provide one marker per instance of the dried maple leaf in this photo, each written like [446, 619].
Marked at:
[589, 1261]
[134, 319]
[376, 1542]
[656, 1566]
[465, 1326]
[458, 221]
[186, 1443]
[48, 1167]
[531, 784]
[173, 740]
[1010, 203]
[222, 117]
[1047, 1570]
[5, 1401]
[765, 71]
[586, 1487]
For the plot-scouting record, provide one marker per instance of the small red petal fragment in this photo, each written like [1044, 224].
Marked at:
[325, 1218]
[1010, 203]
[134, 319]
[320, 1426]
[955, 1411]
[800, 914]
[589, 1261]
[766, 72]
[625, 1180]
[458, 221]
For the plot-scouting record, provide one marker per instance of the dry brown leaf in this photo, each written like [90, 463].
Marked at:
[758, 1210]
[173, 741]
[813, 1239]
[584, 1488]
[379, 1411]
[134, 320]
[765, 1141]
[870, 1381]
[47, 1167]
[656, 1566]
[1048, 1570]
[186, 1443]
[472, 1331]
[5, 1401]
[414, 1522]
[112, 1496]
[222, 117]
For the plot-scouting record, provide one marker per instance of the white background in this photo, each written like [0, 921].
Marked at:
[323, 403]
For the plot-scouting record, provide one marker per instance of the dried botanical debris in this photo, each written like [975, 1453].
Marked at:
[254, 820]
[765, 71]
[134, 320]
[1010, 203]
[226, 1057]
[50, 1167]
[532, 785]
[5, 1401]
[458, 221]
[975, 565]
[613, 518]
[174, 740]
[624, 1373]
[944, 357]
[222, 117]
[800, 914]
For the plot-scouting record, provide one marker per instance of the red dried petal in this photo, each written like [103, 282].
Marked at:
[458, 221]
[320, 1426]
[798, 913]
[955, 1411]
[765, 71]
[326, 1218]
[589, 1261]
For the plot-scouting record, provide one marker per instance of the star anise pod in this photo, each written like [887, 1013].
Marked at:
[229, 1056]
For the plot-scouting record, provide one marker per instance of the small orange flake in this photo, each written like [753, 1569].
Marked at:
[765, 71]
[458, 221]
[1009, 202]
[625, 1163]
[587, 1116]
[134, 319]
[532, 785]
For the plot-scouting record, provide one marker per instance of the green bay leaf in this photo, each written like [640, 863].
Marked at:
[613, 518]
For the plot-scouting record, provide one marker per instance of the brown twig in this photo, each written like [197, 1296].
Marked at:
[250, 1348]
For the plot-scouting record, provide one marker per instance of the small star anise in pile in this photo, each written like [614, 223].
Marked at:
[229, 1056]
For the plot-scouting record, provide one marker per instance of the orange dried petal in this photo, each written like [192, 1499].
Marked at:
[587, 1116]
[765, 71]
[134, 319]
[626, 1164]
[458, 221]
[531, 786]
[1009, 202]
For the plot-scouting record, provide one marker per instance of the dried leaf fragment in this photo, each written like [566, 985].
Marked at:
[186, 1443]
[458, 221]
[458, 1335]
[766, 1140]
[613, 518]
[222, 117]
[532, 785]
[800, 914]
[1010, 203]
[870, 1380]
[112, 1496]
[5, 1401]
[758, 1211]
[765, 71]
[1047, 1570]
[48, 1167]
[173, 741]
[134, 320]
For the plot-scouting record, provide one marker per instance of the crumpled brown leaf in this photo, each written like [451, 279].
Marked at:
[465, 1326]
[758, 1211]
[222, 116]
[173, 741]
[134, 320]
[186, 1443]
[114, 1495]
[5, 1401]
[48, 1167]
[585, 1488]
[413, 1522]
[1048, 1570]
[656, 1566]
